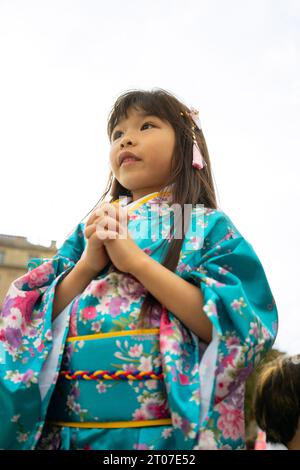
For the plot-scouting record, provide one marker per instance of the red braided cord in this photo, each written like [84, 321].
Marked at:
[104, 374]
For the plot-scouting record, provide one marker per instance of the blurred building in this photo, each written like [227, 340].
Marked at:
[15, 252]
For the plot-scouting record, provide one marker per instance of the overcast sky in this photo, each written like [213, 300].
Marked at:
[63, 63]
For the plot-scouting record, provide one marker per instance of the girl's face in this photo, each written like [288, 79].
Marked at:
[150, 139]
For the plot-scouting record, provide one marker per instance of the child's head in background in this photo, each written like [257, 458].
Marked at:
[150, 125]
[277, 401]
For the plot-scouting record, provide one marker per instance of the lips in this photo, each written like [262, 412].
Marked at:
[127, 155]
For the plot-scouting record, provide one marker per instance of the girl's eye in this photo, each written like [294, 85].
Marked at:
[145, 123]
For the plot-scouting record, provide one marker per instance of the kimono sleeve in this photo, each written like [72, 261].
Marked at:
[239, 303]
[26, 335]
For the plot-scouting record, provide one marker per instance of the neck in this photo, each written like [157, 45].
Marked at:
[144, 192]
[294, 444]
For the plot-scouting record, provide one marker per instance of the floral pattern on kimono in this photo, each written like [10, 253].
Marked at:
[203, 383]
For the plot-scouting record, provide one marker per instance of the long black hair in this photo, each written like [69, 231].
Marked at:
[189, 185]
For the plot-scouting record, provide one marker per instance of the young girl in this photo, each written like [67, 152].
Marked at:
[135, 338]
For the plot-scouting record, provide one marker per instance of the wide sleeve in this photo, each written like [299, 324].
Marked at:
[30, 341]
[239, 303]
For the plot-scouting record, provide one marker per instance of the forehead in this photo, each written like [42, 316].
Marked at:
[135, 114]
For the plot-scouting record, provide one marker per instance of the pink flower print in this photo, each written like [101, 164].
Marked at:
[188, 428]
[210, 308]
[229, 235]
[265, 332]
[22, 437]
[181, 267]
[229, 359]
[167, 433]
[101, 387]
[207, 441]
[28, 377]
[14, 337]
[254, 330]
[222, 270]
[184, 379]
[153, 410]
[136, 350]
[167, 330]
[132, 216]
[24, 305]
[151, 384]
[139, 415]
[147, 251]
[73, 324]
[164, 344]
[8, 303]
[115, 305]
[231, 422]
[75, 392]
[96, 326]
[176, 420]
[89, 313]
[145, 364]
[232, 341]
[99, 288]
[222, 388]
[15, 418]
[38, 276]
[48, 335]
[156, 410]
[236, 304]
[31, 333]
[141, 447]
[77, 408]
[129, 367]
[131, 287]
[41, 347]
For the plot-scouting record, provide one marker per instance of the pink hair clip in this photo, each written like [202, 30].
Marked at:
[198, 160]
[194, 113]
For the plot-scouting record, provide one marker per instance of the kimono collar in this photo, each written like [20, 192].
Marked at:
[152, 198]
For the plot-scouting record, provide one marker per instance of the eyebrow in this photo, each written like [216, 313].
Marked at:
[141, 114]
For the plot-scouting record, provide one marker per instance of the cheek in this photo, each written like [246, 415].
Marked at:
[159, 168]
[166, 166]
[112, 160]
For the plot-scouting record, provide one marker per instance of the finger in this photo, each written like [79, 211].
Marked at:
[110, 224]
[114, 210]
[106, 234]
[108, 209]
[89, 230]
[94, 215]
[91, 219]
[107, 223]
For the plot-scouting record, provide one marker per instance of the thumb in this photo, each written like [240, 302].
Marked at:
[89, 230]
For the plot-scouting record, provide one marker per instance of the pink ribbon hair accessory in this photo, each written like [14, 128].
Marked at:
[198, 160]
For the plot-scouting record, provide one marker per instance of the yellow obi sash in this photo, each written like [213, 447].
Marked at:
[111, 380]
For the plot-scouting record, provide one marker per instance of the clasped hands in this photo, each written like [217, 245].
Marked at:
[107, 229]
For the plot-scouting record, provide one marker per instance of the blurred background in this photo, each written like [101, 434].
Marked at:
[63, 64]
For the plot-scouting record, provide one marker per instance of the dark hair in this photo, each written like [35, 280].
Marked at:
[190, 186]
[277, 399]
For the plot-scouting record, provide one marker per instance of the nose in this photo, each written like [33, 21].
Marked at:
[126, 141]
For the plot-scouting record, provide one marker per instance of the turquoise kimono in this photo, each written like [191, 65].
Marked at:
[92, 379]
